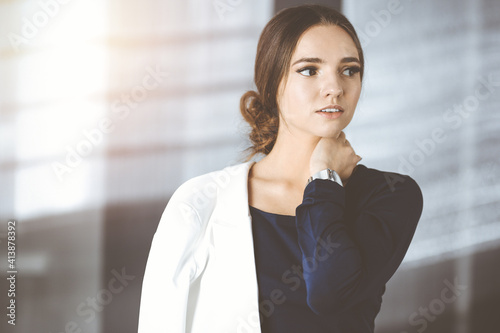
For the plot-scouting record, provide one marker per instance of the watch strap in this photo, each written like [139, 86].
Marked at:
[327, 174]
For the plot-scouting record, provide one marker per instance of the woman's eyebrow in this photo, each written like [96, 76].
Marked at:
[350, 59]
[321, 61]
[313, 60]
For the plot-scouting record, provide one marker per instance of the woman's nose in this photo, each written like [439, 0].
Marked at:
[332, 88]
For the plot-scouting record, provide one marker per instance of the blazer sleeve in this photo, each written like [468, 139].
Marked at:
[170, 269]
[350, 254]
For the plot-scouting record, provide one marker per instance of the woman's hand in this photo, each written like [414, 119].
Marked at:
[336, 154]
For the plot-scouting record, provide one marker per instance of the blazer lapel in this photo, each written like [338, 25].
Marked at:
[233, 247]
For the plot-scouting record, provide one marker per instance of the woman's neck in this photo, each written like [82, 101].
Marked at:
[288, 162]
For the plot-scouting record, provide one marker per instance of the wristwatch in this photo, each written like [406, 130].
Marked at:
[326, 174]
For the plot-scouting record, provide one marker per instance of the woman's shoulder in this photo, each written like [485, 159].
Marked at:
[207, 186]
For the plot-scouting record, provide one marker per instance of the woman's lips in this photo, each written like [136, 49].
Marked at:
[330, 115]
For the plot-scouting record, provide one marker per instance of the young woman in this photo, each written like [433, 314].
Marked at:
[305, 239]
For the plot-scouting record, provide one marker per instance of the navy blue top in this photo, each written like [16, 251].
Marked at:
[325, 269]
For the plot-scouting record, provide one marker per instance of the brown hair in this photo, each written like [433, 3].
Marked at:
[274, 52]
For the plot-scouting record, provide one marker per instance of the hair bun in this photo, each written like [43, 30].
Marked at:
[264, 124]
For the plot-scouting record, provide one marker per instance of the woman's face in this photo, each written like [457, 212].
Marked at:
[323, 73]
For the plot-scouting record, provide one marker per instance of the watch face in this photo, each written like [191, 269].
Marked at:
[326, 174]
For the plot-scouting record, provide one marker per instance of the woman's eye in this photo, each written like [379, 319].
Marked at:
[308, 71]
[351, 71]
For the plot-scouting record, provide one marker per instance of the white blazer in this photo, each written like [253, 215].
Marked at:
[200, 276]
